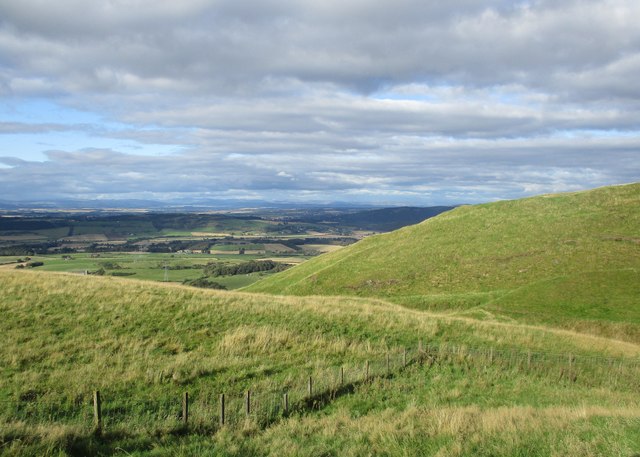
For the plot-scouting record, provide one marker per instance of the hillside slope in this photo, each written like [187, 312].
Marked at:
[144, 344]
[571, 259]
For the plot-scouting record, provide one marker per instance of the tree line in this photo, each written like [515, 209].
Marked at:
[229, 269]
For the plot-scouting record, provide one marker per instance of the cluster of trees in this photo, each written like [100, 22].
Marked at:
[204, 283]
[30, 265]
[26, 249]
[214, 269]
[172, 246]
[26, 224]
[252, 266]
[105, 247]
[196, 266]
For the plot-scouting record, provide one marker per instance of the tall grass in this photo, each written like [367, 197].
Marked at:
[143, 344]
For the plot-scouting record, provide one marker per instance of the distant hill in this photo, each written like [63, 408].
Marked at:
[570, 259]
[120, 225]
[387, 219]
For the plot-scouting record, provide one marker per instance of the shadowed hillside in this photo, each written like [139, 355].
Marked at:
[384, 219]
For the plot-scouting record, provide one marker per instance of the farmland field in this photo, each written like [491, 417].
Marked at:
[163, 267]
[159, 247]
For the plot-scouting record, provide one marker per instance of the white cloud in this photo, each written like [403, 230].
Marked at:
[284, 174]
[479, 99]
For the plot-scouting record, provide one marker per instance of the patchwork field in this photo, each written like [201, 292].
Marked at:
[172, 268]
[160, 247]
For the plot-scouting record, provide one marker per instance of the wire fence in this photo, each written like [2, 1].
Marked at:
[208, 412]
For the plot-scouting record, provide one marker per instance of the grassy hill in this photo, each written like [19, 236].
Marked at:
[566, 259]
[143, 344]
[486, 289]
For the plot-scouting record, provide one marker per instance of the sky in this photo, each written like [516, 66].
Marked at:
[385, 102]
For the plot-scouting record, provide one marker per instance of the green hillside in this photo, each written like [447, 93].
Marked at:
[485, 288]
[503, 389]
[566, 259]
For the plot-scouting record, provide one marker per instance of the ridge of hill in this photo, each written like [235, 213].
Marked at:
[570, 259]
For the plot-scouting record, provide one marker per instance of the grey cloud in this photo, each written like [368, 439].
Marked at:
[22, 127]
[354, 116]
[12, 162]
[522, 166]
[221, 45]
[69, 19]
[358, 98]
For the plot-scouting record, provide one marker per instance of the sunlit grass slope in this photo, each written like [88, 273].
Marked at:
[570, 259]
[143, 344]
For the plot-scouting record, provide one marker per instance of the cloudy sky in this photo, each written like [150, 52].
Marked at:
[386, 102]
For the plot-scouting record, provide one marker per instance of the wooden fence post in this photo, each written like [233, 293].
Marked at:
[222, 411]
[285, 401]
[404, 357]
[310, 387]
[97, 411]
[342, 376]
[247, 403]
[185, 408]
[388, 365]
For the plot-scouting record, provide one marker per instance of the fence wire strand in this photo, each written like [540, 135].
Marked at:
[327, 383]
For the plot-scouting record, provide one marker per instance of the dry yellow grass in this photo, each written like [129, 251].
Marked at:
[459, 430]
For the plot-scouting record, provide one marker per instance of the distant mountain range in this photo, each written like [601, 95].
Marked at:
[154, 205]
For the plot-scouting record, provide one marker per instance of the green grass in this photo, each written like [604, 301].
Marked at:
[144, 266]
[239, 281]
[566, 259]
[552, 279]
[143, 344]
